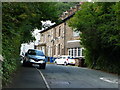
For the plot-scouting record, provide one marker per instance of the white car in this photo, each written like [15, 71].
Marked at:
[65, 60]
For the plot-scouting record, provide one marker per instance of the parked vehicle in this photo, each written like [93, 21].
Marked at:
[65, 60]
[34, 56]
[21, 59]
[79, 61]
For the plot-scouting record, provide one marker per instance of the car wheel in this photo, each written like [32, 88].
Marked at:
[24, 63]
[30, 65]
[73, 65]
[42, 66]
[65, 64]
[55, 63]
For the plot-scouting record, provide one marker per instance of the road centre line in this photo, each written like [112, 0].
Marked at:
[47, 85]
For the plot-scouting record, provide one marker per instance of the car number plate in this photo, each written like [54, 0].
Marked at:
[35, 65]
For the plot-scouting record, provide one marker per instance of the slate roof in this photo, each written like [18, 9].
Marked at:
[58, 23]
[73, 45]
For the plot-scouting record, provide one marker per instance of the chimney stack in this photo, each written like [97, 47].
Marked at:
[70, 11]
[74, 9]
[78, 7]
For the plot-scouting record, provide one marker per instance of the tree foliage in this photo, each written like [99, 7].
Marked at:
[63, 6]
[100, 35]
[18, 22]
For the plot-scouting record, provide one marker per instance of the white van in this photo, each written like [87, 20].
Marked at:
[65, 60]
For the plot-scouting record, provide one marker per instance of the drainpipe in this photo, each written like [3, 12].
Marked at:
[64, 37]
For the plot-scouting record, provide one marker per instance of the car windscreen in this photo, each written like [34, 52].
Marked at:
[64, 57]
[35, 52]
[70, 58]
[31, 52]
[40, 53]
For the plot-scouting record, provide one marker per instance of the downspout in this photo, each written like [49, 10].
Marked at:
[64, 37]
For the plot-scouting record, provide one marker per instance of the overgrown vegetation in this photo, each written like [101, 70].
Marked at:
[63, 6]
[100, 35]
[18, 21]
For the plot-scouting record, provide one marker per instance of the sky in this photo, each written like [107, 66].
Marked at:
[25, 46]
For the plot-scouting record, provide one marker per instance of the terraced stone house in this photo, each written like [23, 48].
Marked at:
[60, 39]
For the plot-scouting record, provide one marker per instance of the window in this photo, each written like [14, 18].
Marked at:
[75, 52]
[78, 51]
[59, 49]
[72, 52]
[59, 30]
[75, 34]
[54, 50]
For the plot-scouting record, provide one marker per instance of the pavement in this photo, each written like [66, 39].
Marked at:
[27, 77]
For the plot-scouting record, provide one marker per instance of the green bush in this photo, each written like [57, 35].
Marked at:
[18, 22]
[100, 34]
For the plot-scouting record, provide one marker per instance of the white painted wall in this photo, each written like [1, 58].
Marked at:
[25, 47]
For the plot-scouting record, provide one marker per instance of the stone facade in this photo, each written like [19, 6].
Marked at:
[60, 40]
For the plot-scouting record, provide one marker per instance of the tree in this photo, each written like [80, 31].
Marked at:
[18, 22]
[63, 6]
[100, 36]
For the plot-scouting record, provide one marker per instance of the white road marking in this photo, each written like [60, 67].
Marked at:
[48, 87]
[110, 81]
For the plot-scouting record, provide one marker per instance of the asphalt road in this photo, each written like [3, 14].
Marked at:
[59, 76]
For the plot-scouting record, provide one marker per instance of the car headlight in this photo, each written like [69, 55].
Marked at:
[43, 61]
[31, 60]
